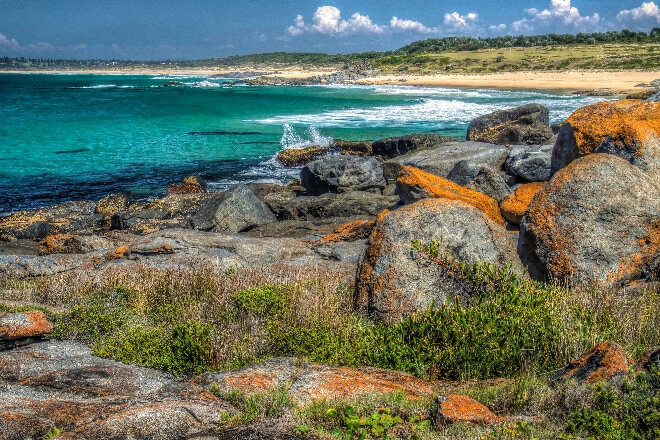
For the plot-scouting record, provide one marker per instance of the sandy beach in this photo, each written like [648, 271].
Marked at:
[621, 82]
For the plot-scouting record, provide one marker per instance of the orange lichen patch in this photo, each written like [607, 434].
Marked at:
[251, 382]
[292, 157]
[31, 324]
[344, 382]
[601, 362]
[454, 407]
[120, 252]
[58, 243]
[513, 206]
[649, 247]
[437, 187]
[350, 232]
[629, 122]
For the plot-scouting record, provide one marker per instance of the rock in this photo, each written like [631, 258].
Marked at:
[531, 163]
[650, 358]
[394, 280]
[18, 329]
[487, 181]
[628, 128]
[189, 185]
[233, 211]
[353, 148]
[296, 157]
[457, 408]
[397, 146]
[347, 251]
[36, 224]
[352, 231]
[179, 207]
[602, 362]
[513, 207]
[338, 174]
[60, 384]
[463, 173]
[24, 266]
[145, 221]
[354, 203]
[597, 220]
[114, 203]
[275, 196]
[307, 382]
[73, 244]
[526, 124]
[414, 184]
[441, 159]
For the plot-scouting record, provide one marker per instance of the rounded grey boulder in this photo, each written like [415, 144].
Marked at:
[339, 173]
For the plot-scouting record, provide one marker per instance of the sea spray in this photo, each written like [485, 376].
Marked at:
[291, 138]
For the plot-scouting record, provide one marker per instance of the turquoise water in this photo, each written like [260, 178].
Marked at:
[72, 137]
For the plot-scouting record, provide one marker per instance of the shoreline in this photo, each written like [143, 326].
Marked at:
[569, 81]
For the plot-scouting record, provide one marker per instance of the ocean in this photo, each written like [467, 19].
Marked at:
[81, 137]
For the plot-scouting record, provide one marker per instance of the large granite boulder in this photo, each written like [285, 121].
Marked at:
[413, 184]
[629, 128]
[489, 182]
[396, 146]
[597, 220]
[339, 173]
[394, 279]
[232, 211]
[526, 124]
[17, 329]
[441, 159]
[530, 162]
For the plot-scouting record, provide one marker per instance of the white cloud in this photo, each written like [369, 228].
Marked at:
[327, 20]
[410, 25]
[497, 28]
[560, 15]
[6, 43]
[645, 16]
[461, 23]
[299, 26]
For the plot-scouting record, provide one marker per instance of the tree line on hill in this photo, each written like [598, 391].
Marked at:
[431, 45]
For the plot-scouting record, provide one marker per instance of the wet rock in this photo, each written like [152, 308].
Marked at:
[602, 362]
[339, 174]
[189, 185]
[526, 124]
[530, 163]
[307, 382]
[513, 207]
[396, 146]
[456, 408]
[441, 159]
[394, 279]
[489, 182]
[296, 157]
[233, 211]
[628, 128]
[596, 221]
[414, 184]
[354, 148]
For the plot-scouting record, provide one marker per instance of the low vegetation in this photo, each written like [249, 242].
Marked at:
[187, 322]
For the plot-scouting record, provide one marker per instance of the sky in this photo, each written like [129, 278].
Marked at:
[176, 30]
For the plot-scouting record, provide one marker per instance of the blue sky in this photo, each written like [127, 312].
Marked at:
[191, 29]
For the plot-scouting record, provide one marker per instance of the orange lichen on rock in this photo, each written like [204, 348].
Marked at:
[649, 246]
[292, 157]
[252, 382]
[628, 121]
[601, 362]
[351, 231]
[436, 187]
[513, 206]
[31, 324]
[120, 252]
[58, 244]
[454, 407]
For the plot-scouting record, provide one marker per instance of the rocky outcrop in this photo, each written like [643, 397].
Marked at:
[189, 185]
[354, 203]
[628, 128]
[513, 207]
[530, 163]
[296, 157]
[339, 174]
[414, 184]
[114, 203]
[74, 244]
[60, 384]
[441, 159]
[396, 146]
[489, 182]
[17, 329]
[526, 124]
[232, 211]
[361, 148]
[394, 280]
[356, 230]
[306, 382]
[597, 220]
[602, 362]
[456, 408]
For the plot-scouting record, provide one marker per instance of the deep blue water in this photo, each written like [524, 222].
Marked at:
[72, 137]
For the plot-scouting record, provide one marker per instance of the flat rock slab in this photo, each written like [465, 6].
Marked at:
[23, 325]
